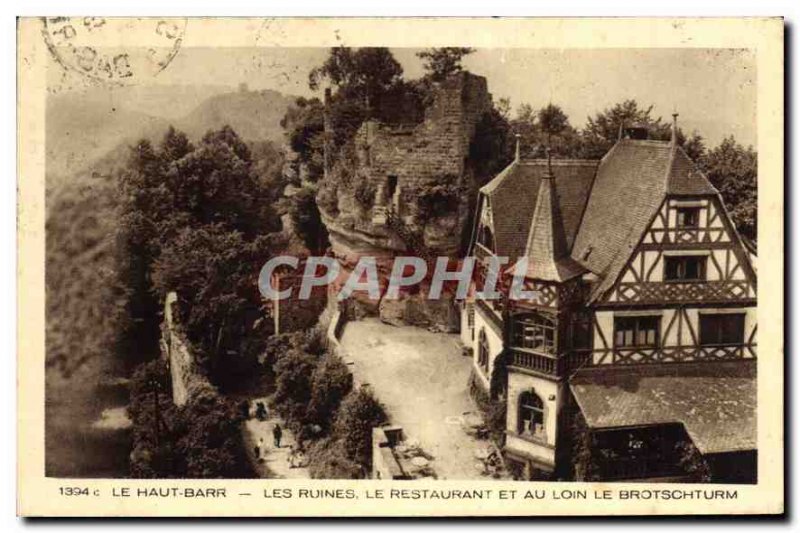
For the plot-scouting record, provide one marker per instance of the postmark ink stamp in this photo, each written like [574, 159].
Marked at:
[112, 50]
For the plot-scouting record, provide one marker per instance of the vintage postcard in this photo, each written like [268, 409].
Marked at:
[400, 267]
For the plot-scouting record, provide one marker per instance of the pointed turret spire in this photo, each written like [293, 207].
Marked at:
[548, 255]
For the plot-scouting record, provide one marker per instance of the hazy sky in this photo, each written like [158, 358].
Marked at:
[713, 89]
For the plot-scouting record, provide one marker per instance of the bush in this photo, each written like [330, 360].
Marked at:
[152, 451]
[438, 200]
[359, 413]
[331, 383]
[692, 461]
[584, 462]
[199, 440]
[328, 460]
[364, 193]
[494, 411]
[209, 437]
[293, 372]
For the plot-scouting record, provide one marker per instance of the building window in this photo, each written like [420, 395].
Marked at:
[722, 329]
[636, 331]
[688, 217]
[483, 351]
[580, 337]
[535, 332]
[685, 268]
[531, 415]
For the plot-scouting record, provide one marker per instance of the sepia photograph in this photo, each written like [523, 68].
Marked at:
[406, 263]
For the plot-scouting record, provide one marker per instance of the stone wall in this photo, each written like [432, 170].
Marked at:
[175, 349]
[385, 463]
[427, 152]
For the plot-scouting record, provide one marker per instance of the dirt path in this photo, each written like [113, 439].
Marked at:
[275, 463]
[422, 378]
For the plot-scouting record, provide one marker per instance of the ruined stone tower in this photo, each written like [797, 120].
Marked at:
[407, 190]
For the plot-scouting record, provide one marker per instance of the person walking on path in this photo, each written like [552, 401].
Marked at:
[277, 433]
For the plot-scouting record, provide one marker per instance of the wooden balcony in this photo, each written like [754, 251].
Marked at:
[549, 364]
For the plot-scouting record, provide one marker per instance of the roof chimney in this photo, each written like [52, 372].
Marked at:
[674, 139]
[516, 152]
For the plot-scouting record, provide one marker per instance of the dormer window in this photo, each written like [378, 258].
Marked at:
[687, 217]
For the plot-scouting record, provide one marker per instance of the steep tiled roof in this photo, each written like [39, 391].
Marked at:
[631, 183]
[684, 178]
[604, 206]
[716, 403]
[512, 195]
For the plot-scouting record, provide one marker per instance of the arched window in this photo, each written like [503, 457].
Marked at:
[483, 351]
[531, 415]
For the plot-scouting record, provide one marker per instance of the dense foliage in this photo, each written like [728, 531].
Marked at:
[442, 62]
[194, 221]
[314, 393]
[733, 170]
[199, 440]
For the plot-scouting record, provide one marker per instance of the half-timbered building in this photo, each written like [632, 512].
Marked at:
[639, 331]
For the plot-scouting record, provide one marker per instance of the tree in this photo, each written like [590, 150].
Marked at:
[209, 443]
[733, 170]
[602, 131]
[694, 146]
[153, 443]
[358, 414]
[214, 271]
[441, 62]
[491, 147]
[303, 125]
[331, 383]
[552, 121]
[547, 127]
[194, 221]
[362, 74]
[201, 439]
[293, 372]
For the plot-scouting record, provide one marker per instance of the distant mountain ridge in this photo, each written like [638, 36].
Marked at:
[88, 132]
[254, 115]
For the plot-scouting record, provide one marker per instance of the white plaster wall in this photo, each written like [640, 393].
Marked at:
[495, 346]
[551, 394]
